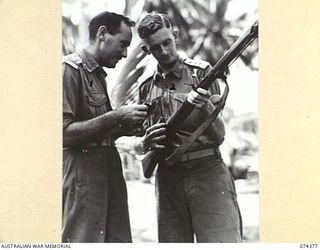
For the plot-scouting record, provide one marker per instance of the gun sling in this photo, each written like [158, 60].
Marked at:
[152, 158]
[177, 154]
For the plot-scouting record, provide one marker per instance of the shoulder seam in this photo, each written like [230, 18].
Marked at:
[197, 63]
[73, 60]
[72, 64]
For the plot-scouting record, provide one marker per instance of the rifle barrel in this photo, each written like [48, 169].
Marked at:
[186, 108]
[150, 161]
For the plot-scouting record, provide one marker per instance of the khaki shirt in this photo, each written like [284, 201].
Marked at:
[85, 93]
[165, 93]
[94, 192]
[84, 88]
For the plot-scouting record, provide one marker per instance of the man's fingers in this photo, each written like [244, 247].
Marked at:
[202, 91]
[160, 138]
[154, 142]
[215, 98]
[158, 146]
[155, 133]
[155, 126]
[142, 107]
[191, 97]
[142, 113]
[196, 98]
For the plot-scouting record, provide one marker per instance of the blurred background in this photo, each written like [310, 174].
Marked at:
[207, 28]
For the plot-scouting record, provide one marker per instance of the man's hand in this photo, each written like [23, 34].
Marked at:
[201, 97]
[152, 139]
[154, 136]
[132, 115]
[198, 98]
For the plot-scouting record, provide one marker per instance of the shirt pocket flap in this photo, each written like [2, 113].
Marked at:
[180, 97]
[96, 99]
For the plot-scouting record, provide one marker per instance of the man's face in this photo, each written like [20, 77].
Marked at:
[114, 47]
[162, 46]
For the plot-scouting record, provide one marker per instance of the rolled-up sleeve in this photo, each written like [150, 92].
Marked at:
[70, 83]
[214, 87]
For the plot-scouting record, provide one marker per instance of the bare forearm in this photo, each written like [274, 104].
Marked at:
[84, 131]
[217, 128]
[138, 146]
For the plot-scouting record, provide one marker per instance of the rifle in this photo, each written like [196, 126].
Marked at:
[151, 159]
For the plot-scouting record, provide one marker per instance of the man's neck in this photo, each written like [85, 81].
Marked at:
[91, 49]
[168, 67]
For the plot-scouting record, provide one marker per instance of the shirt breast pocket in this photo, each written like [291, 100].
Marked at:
[96, 102]
[192, 121]
[176, 101]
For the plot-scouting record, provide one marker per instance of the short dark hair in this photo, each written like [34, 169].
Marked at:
[111, 20]
[151, 23]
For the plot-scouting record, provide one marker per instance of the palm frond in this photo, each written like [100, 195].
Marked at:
[128, 76]
[202, 33]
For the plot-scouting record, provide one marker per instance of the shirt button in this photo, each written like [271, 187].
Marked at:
[101, 231]
[222, 193]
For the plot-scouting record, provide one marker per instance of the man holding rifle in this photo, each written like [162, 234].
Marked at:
[196, 195]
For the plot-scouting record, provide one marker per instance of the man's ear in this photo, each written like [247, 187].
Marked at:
[145, 49]
[102, 30]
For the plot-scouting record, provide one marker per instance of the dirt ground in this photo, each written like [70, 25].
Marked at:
[142, 208]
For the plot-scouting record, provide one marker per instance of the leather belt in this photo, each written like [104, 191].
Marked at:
[200, 154]
[107, 142]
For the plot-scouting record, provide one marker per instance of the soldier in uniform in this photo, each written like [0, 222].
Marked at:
[196, 196]
[95, 205]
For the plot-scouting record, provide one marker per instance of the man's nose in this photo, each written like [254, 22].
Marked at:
[163, 50]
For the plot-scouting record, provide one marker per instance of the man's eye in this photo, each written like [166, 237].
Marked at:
[166, 42]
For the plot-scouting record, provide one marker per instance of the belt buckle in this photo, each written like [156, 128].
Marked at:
[184, 157]
[187, 156]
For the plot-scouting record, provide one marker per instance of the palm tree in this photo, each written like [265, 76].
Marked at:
[204, 32]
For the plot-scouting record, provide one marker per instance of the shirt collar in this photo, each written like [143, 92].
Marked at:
[176, 70]
[90, 64]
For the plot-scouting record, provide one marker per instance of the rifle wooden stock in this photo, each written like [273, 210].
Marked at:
[150, 161]
[178, 117]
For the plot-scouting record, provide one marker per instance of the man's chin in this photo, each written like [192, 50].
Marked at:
[168, 62]
[111, 64]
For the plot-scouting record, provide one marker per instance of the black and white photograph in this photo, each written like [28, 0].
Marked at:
[160, 121]
[167, 121]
